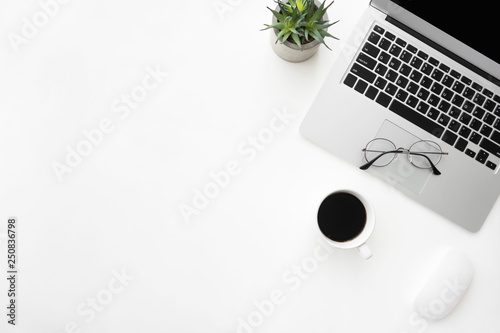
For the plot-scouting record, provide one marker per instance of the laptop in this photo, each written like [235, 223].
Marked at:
[414, 74]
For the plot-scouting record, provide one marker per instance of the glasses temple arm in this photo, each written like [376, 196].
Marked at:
[433, 167]
[369, 163]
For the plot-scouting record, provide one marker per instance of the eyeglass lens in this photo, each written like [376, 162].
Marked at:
[430, 149]
[378, 146]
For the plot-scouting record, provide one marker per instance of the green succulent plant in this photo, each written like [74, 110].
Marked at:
[301, 21]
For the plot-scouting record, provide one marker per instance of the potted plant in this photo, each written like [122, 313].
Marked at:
[300, 26]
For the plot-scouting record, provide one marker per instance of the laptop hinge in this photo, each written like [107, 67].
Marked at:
[443, 50]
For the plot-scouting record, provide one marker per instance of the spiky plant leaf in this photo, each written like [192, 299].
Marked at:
[300, 20]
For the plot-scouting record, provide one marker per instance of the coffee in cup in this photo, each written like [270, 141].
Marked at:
[346, 220]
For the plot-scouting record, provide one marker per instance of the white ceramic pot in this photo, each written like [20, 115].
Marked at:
[290, 51]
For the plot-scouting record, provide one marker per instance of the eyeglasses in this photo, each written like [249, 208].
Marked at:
[422, 154]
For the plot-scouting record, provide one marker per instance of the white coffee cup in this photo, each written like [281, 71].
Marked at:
[346, 220]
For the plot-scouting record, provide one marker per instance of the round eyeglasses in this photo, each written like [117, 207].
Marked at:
[423, 154]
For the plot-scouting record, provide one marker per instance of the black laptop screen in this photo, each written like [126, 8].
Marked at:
[473, 24]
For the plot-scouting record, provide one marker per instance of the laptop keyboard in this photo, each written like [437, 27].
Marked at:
[429, 94]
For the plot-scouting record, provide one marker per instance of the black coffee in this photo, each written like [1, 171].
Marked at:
[341, 217]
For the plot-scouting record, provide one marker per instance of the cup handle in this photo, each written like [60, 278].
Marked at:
[364, 251]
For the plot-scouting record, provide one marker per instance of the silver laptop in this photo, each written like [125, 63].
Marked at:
[414, 99]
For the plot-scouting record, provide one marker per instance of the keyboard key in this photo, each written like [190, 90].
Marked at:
[391, 75]
[489, 119]
[394, 64]
[465, 118]
[384, 57]
[415, 76]
[379, 29]
[479, 99]
[390, 36]
[477, 86]
[416, 62]
[433, 61]
[496, 137]
[491, 165]
[447, 94]
[416, 118]
[391, 89]
[470, 153]
[444, 106]
[482, 156]
[363, 73]
[487, 93]
[468, 93]
[464, 131]
[405, 70]
[401, 95]
[466, 80]
[454, 112]
[411, 48]
[475, 138]
[384, 44]
[455, 74]
[426, 82]
[371, 50]
[381, 70]
[468, 106]
[458, 87]
[400, 42]
[437, 88]
[427, 69]
[475, 124]
[444, 68]
[350, 80]
[402, 81]
[478, 112]
[374, 38]
[490, 147]
[360, 86]
[433, 113]
[395, 50]
[412, 87]
[366, 61]
[422, 107]
[461, 144]
[454, 126]
[434, 100]
[405, 56]
[489, 105]
[380, 83]
[444, 120]
[448, 81]
[383, 99]
[449, 137]
[412, 101]
[437, 75]
[371, 92]
[423, 94]
[497, 124]
[457, 100]
[423, 55]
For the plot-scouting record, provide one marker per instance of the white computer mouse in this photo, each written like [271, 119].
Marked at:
[445, 287]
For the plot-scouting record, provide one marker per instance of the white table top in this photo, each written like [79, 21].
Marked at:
[103, 244]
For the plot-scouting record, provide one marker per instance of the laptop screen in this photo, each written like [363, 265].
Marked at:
[473, 25]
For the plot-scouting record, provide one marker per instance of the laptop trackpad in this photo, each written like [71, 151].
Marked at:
[400, 172]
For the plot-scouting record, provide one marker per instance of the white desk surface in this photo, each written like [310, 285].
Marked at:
[106, 248]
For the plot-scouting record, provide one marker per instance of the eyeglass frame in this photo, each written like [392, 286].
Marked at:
[402, 150]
